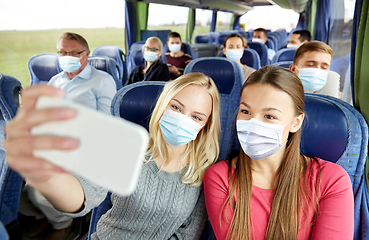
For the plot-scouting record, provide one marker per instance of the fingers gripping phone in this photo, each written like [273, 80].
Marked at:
[111, 150]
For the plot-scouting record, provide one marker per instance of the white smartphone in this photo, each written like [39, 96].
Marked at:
[111, 150]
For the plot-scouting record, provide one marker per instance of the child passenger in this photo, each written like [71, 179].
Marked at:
[168, 202]
[176, 59]
[270, 190]
[153, 70]
[234, 46]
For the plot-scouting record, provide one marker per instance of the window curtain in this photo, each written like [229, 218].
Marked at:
[190, 24]
[130, 26]
[323, 13]
[213, 22]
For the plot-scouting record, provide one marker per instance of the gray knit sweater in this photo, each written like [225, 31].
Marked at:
[161, 208]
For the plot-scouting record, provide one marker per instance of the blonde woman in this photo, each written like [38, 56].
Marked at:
[168, 202]
[270, 190]
[152, 70]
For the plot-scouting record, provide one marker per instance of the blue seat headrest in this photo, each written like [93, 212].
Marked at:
[43, 67]
[324, 131]
[138, 102]
[220, 70]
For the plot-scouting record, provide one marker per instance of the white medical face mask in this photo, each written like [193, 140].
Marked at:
[259, 140]
[150, 56]
[293, 46]
[313, 79]
[234, 54]
[174, 47]
[257, 40]
[69, 63]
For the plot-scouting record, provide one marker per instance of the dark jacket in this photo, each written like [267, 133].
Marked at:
[157, 72]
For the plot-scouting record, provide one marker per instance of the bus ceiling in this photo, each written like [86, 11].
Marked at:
[238, 7]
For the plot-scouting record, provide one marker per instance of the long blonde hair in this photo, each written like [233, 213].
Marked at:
[291, 196]
[202, 151]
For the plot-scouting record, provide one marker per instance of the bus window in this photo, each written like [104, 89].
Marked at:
[342, 13]
[223, 21]
[26, 29]
[270, 17]
[174, 19]
[203, 22]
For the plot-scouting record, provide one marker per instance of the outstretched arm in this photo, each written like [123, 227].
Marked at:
[59, 187]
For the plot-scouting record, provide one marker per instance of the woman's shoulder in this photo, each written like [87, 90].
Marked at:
[220, 169]
[331, 174]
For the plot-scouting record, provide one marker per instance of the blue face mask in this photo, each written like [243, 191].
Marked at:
[178, 129]
[234, 54]
[150, 56]
[174, 47]
[313, 79]
[69, 63]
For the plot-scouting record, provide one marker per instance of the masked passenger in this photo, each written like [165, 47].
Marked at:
[269, 190]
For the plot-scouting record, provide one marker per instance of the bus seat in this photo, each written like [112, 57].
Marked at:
[334, 131]
[10, 181]
[275, 39]
[108, 65]
[285, 64]
[185, 47]
[270, 44]
[214, 37]
[3, 233]
[262, 50]
[117, 54]
[250, 57]
[135, 103]
[203, 38]
[228, 76]
[221, 37]
[285, 54]
[43, 67]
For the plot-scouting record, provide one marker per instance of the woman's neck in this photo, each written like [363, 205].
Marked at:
[148, 65]
[265, 171]
[176, 54]
[178, 160]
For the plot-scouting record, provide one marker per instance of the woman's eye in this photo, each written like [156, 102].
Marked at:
[245, 111]
[196, 118]
[269, 117]
[176, 108]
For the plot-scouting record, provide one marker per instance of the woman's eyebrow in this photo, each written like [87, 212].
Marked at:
[179, 102]
[272, 109]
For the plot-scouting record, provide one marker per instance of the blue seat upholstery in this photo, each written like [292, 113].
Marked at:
[228, 76]
[283, 55]
[117, 54]
[203, 38]
[285, 64]
[10, 181]
[334, 131]
[262, 50]
[135, 103]
[214, 37]
[250, 57]
[185, 47]
[222, 37]
[43, 67]
[275, 39]
[270, 44]
[108, 65]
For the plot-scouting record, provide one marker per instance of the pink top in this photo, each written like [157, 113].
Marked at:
[335, 219]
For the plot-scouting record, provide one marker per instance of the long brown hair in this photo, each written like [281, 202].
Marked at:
[291, 195]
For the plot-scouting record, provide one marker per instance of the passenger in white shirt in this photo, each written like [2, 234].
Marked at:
[83, 84]
[261, 36]
[311, 63]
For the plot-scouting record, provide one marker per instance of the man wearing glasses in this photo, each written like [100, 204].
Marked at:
[83, 84]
